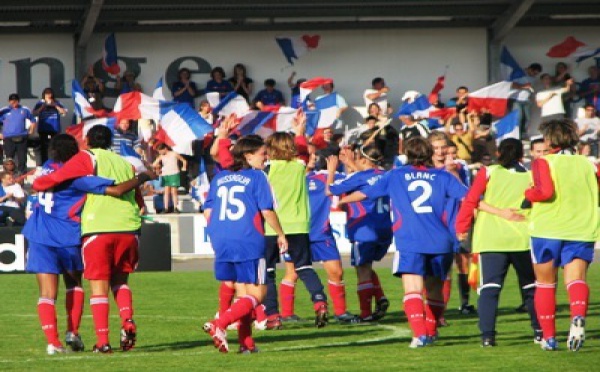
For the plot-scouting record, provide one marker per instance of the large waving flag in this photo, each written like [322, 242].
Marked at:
[158, 91]
[564, 49]
[494, 98]
[328, 110]
[180, 125]
[584, 54]
[507, 127]
[414, 104]
[232, 103]
[509, 67]
[110, 63]
[295, 47]
[79, 131]
[83, 108]
[309, 85]
[282, 120]
[129, 154]
[253, 121]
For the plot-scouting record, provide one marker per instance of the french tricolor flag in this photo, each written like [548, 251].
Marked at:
[494, 98]
[509, 67]
[180, 125]
[79, 131]
[253, 121]
[507, 127]
[129, 154]
[158, 91]
[309, 85]
[110, 62]
[232, 103]
[295, 47]
[281, 121]
[83, 109]
[201, 184]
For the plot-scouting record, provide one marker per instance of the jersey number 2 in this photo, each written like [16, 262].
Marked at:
[228, 200]
[417, 204]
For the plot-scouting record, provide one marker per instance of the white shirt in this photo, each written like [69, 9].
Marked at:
[554, 105]
[16, 191]
[381, 101]
[593, 124]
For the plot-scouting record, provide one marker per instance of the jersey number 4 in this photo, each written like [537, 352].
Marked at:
[229, 200]
[46, 201]
[417, 204]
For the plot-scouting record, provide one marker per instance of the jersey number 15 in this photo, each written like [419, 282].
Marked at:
[229, 200]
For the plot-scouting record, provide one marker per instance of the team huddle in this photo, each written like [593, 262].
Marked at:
[271, 202]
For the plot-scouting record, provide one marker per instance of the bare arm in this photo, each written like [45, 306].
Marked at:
[273, 221]
[124, 187]
[182, 159]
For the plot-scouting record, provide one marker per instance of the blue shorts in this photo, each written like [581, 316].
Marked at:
[324, 250]
[248, 272]
[561, 252]
[367, 252]
[423, 264]
[45, 259]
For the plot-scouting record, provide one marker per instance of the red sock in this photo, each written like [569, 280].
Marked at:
[74, 305]
[124, 301]
[259, 313]
[545, 307]
[377, 290]
[226, 295]
[579, 293]
[100, 310]
[365, 297]
[245, 332]
[414, 310]
[434, 310]
[337, 291]
[239, 309]
[286, 297]
[446, 289]
[317, 305]
[47, 315]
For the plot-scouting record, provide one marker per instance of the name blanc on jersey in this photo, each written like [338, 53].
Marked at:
[233, 178]
[419, 176]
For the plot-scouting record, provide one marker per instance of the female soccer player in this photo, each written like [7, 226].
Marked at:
[424, 244]
[500, 235]
[369, 226]
[53, 233]
[238, 201]
[564, 227]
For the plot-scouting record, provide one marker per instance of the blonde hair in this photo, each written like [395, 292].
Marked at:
[280, 146]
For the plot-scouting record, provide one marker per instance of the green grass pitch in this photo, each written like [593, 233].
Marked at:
[170, 309]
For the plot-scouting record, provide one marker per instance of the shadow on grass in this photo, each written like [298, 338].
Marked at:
[181, 345]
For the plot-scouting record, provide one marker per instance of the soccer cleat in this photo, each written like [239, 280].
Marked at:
[128, 333]
[245, 350]
[74, 342]
[549, 344]
[418, 342]
[381, 308]
[347, 318]
[53, 350]
[367, 319]
[218, 335]
[488, 342]
[104, 349]
[322, 316]
[576, 333]
[538, 336]
[467, 309]
[291, 319]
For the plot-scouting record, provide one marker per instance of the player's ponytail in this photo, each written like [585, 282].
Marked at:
[372, 153]
[510, 152]
[62, 148]
[245, 145]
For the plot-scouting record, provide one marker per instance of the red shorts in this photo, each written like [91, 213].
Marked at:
[108, 254]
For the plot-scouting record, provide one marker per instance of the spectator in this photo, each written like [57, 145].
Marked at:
[377, 94]
[374, 110]
[588, 128]
[590, 87]
[241, 83]
[123, 137]
[48, 110]
[521, 97]
[127, 83]
[93, 89]
[386, 137]
[550, 99]
[340, 102]
[169, 174]
[15, 131]
[481, 135]
[461, 100]
[155, 189]
[184, 90]
[560, 79]
[411, 128]
[295, 87]
[11, 199]
[206, 111]
[464, 140]
[218, 82]
[9, 166]
[269, 96]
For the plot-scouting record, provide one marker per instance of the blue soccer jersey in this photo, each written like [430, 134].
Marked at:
[320, 206]
[419, 199]
[236, 226]
[369, 220]
[55, 219]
